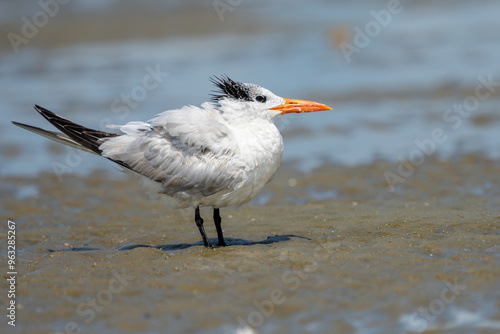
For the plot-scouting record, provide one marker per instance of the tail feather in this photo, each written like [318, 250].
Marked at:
[72, 134]
[55, 136]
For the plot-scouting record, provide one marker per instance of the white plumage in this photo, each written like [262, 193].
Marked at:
[200, 156]
[217, 155]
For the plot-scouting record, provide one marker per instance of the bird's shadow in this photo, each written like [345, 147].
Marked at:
[171, 247]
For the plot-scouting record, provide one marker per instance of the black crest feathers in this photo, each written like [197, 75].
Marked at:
[228, 88]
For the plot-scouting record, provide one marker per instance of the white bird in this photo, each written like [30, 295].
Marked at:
[217, 155]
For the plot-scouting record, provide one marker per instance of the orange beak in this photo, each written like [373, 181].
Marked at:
[293, 105]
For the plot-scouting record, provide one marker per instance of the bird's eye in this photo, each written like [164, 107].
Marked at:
[260, 98]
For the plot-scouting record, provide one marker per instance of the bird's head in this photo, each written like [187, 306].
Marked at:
[253, 100]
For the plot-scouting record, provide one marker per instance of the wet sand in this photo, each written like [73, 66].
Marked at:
[328, 251]
[345, 255]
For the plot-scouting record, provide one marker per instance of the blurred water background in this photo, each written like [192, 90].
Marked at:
[395, 85]
[407, 80]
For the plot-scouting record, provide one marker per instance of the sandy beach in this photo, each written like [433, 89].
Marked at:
[327, 250]
[384, 217]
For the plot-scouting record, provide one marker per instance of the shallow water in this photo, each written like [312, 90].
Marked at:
[396, 90]
[383, 219]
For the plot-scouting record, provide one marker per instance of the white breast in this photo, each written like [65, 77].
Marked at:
[261, 148]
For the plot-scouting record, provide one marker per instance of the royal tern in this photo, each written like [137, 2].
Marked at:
[217, 155]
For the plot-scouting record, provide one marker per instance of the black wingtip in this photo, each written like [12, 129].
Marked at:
[42, 110]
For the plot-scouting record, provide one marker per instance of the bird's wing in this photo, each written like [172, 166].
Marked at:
[190, 151]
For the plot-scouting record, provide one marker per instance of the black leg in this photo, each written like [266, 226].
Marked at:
[217, 221]
[199, 223]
